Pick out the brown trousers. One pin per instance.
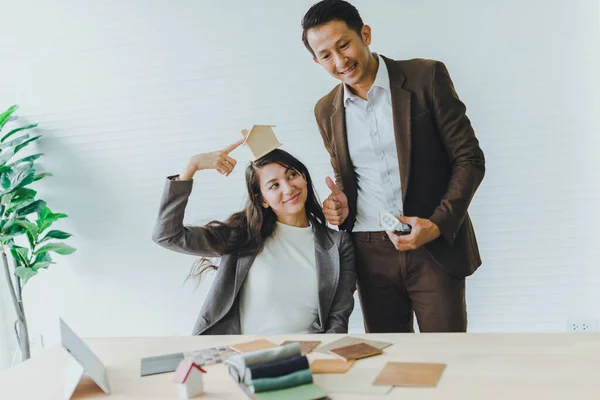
(393, 284)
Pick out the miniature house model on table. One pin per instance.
(189, 379)
(260, 139)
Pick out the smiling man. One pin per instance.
(399, 141)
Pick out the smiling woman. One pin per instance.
(282, 269)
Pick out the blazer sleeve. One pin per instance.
(169, 230)
(343, 302)
(349, 222)
(462, 147)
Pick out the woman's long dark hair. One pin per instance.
(246, 231)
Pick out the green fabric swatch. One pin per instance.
(302, 392)
(238, 363)
(281, 382)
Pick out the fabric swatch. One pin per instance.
(282, 382)
(209, 356)
(278, 368)
(302, 392)
(410, 374)
(255, 345)
(160, 364)
(326, 366)
(356, 351)
(169, 362)
(305, 346)
(356, 381)
(238, 363)
(350, 340)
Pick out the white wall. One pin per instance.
(125, 91)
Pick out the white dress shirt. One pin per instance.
(372, 148)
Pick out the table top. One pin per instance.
(478, 366)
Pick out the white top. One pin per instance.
(281, 294)
(372, 148)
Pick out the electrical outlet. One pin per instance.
(582, 325)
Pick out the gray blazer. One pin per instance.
(220, 313)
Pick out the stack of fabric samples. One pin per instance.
(276, 373)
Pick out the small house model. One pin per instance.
(189, 379)
(260, 139)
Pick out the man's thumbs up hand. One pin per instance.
(335, 206)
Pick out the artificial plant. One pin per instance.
(26, 243)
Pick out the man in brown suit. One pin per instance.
(399, 141)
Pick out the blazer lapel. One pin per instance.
(340, 140)
(328, 267)
(401, 111)
(243, 266)
(221, 305)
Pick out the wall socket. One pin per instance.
(582, 325)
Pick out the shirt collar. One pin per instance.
(382, 80)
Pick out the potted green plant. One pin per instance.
(25, 237)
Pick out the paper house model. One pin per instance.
(260, 139)
(189, 379)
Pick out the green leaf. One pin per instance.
(40, 265)
(31, 208)
(7, 198)
(17, 203)
(6, 180)
(54, 234)
(22, 194)
(6, 155)
(24, 179)
(13, 229)
(43, 224)
(20, 254)
(6, 115)
(47, 218)
(3, 223)
(21, 175)
(59, 248)
(32, 238)
(30, 158)
(14, 142)
(43, 257)
(27, 224)
(23, 252)
(9, 134)
(18, 198)
(25, 273)
(4, 238)
(44, 213)
(41, 176)
(25, 143)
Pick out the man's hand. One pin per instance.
(423, 231)
(335, 206)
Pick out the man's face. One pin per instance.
(342, 51)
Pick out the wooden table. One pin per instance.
(479, 366)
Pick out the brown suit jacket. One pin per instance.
(441, 163)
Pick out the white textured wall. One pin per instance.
(125, 91)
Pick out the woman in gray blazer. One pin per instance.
(282, 269)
